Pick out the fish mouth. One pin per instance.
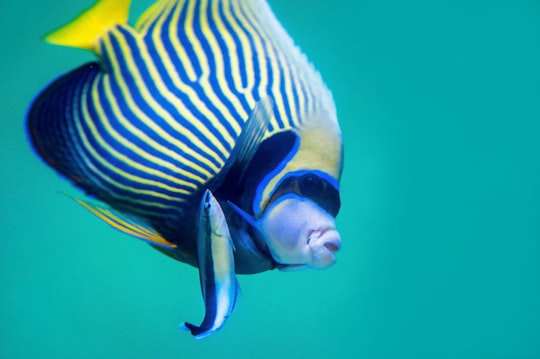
(332, 246)
(327, 238)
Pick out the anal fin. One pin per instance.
(127, 224)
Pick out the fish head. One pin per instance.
(302, 199)
(298, 226)
(295, 203)
(300, 234)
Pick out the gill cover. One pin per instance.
(319, 150)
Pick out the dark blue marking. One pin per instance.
(239, 53)
(187, 47)
(224, 50)
(269, 74)
(153, 91)
(294, 146)
(277, 114)
(307, 100)
(283, 91)
(296, 86)
(326, 196)
(170, 28)
(197, 29)
(254, 59)
(52, 128)
(134, 185)
(296, 100)
(141, 102)
(52, 121)
(323, 175)
(151, 28)
(113, 143)
(105, 105)
(92, 183)
(167, 81)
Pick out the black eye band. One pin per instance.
(313, 187)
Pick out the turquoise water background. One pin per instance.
(439, 103)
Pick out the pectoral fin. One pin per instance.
(216, 268)
(252, 136)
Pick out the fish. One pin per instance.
(202, 114)
(220, 289)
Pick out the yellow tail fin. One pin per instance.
(86, 29)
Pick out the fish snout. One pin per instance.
(324, 243)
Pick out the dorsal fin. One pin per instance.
(149, 14)
(86, 29)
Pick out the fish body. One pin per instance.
(216, 268)
(197, 96)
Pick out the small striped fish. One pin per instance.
(197, 96)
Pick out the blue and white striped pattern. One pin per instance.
(162, 116)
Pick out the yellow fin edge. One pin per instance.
(126, 226)
(86, 29)
(149, 13)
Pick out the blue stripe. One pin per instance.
(103, 173)
(105, 104)
(254, 60)
(283, 91)
(269, 74)
(160, 66)
(137, 123)
(307, 101)
(98, 185)
(133, 184)
(168, 29)
(197, 30)
(239, 54)
(296, 99)
(85, 175)
(187, 47)
(255, 57)
(224, 55)
(258, 199)
(153, 91)
(169, 107)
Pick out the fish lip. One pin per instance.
(333, 246)
(324, 237)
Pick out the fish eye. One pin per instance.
(310, 185)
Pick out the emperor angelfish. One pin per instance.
(202, 130)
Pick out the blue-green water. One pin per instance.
(439, 102)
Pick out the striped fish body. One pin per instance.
(150, 125)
